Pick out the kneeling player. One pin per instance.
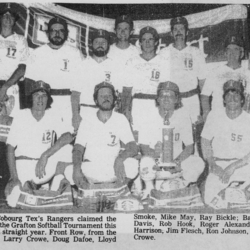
(97, 154)
(37, 143)
(157, 148)
(225, 145)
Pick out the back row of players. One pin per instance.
(174, 77)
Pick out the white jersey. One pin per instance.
(144, 76)
(230, 137)
(14, 50)
(94, 73)
(186, 66)
(102, 140)
(151, 134)
(216, 79)
(60, 69)
(121, 56)
(57, 67)
(31, 137)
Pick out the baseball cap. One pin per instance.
(59, 20)
(126, 19)
(179, 20)
(39, 85)
(233, 85)
(167, 86)
(103, 85)
(100, 33)
(150, 30)
(12, 11)
(235, 39)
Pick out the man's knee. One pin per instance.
(192, 168)
(131, 166)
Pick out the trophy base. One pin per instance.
(167, 171)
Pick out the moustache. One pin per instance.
(106, 101)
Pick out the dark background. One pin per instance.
(143, 11)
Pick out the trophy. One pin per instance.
(166, 167)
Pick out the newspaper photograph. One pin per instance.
(124, 125)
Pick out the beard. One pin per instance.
(100, 53)
(104, 107)
(57, 40)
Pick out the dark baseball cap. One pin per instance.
(233, 85)
(59, 20)
(13, 11)
(179, 20)
(167, 86)
(103, 85)
(37, 86)
(150, 30)
(126, 19)
(234, 39)
(100, 34)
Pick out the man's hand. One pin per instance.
(228, 172)
(78, 177)
(10, 185)
(177, 167)
(215, 169)
(40, 166)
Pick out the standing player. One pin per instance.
(58, 64)
(123, 50)
(225, 146)
(151, 140)
(232, 70)
(145, 72)
(97, 68)
(96, 153)
(33, 153)
(13, 55)
(187, 67)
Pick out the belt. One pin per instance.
(145, 96)
(87, 105)
(60, 92)
(225, 159)
(22, 157)
(190, 93)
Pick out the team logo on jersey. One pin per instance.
(65, 66)
(113, 140)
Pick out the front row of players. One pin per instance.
(40, 150)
